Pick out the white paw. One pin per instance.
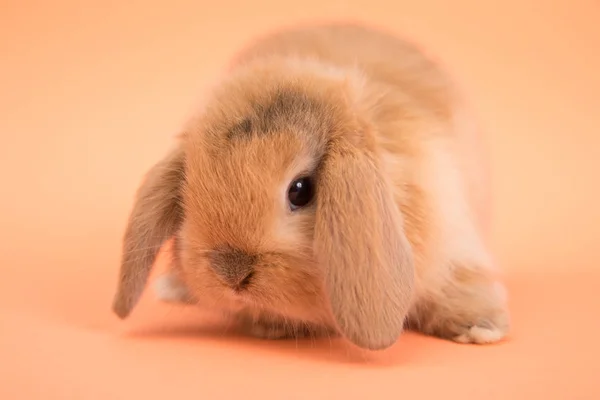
(169, 288)
(481, 335)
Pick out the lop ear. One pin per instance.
(156, 216)
(360, 242)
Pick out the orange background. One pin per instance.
(92, 93)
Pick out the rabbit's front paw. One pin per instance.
(469, 311)
(169, 288)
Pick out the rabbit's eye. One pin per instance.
(300, 193)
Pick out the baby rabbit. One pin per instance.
(333, 183)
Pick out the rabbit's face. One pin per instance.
(249, 206)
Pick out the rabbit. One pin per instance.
(332, 183)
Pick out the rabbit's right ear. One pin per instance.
(156, 216)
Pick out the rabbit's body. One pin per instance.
(397, 230)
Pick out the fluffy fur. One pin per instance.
(396, 235)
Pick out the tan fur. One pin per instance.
(155, 217)
(397, 232)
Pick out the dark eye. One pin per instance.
(300, 193)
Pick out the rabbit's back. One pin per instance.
(383, 57)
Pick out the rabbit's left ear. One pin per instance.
(361, 246)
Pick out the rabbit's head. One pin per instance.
(277, 200)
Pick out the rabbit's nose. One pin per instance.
(233, 266)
